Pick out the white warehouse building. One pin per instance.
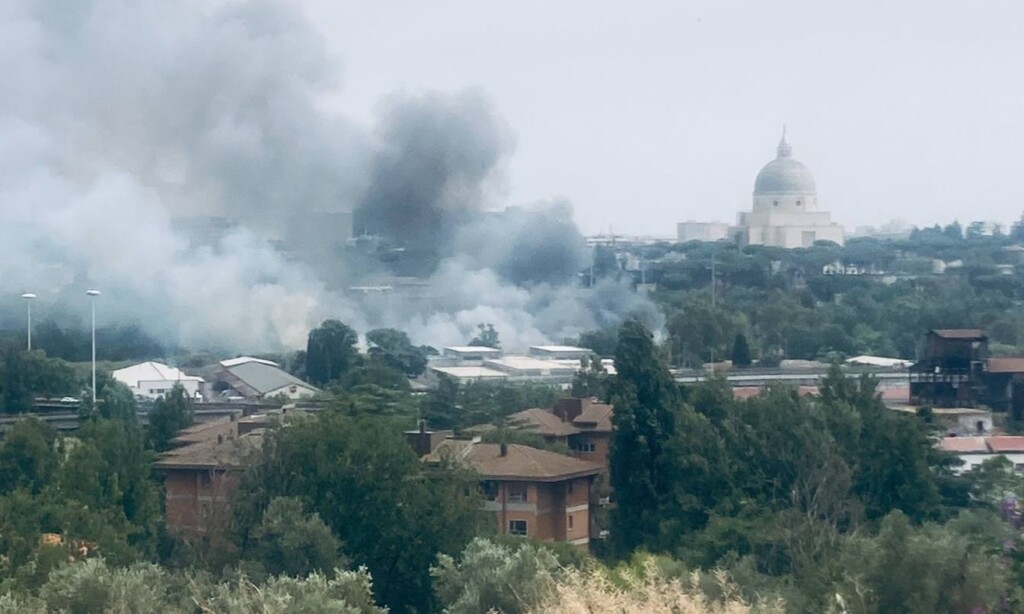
(152, 380)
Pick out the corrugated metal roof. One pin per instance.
(264, 378)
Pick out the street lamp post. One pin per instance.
(28, 296)
(93, 294)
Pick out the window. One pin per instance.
(584, 445)
(517, 493)
(1019, 467)
(490, 490)
(570, 522)
(204, 478)
(517, 527)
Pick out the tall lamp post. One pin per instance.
(28, 296)
(92, 295)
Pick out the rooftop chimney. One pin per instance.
(569, 409)
(504, 449)
(421, 440)
(220, 438)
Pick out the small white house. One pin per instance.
(152, 380)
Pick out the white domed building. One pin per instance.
(785, 212)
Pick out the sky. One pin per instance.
(645, 114)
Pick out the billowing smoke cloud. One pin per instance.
(436, 157)
(526, 246)
(120, 119)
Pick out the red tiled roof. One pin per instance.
(543, 422)
(203, 431)
(225, 453)
(596, 417)
(1006, 443)
(742, 393)
(899, 393)
(964, 444)
(519, 462)
(1005, 365)
(959, 333)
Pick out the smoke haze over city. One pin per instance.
(126, 122)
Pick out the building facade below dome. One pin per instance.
(785, 208)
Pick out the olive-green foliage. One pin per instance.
(488, 576)
(928, 569)
(95, 586)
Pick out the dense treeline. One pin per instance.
(867, 297)
(806, 498)
(831, 503)
(74, 343)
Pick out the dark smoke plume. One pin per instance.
(123, 122)
(437, 153)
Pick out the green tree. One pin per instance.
(28, 456)
(645, 403)
(116, 401)
(30, 374)
(393, 348)
(109, 473)
(288, 541)
(440, 406)
(591, 380)
(169, 415)
(330, 352)
(487, 336)
(920, 570)
(740, 351)
(392, 514)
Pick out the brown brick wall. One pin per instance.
(197, 500)
(550, 522)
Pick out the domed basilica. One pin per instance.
(785, 212)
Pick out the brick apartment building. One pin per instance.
(202, 470)
(584, 426)
(531, 492)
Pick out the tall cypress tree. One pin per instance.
(740, 351)
(646, 402)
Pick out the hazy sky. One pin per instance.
(648, 113)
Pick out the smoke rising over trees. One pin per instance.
(115, 139)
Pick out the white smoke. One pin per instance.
(118, 117)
